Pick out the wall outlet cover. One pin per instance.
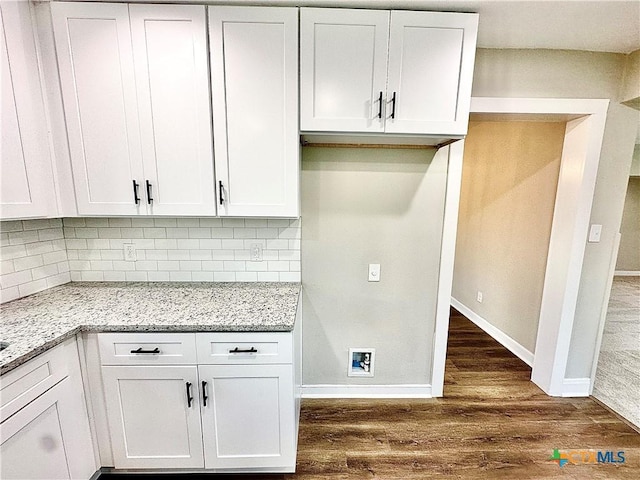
(129, 252)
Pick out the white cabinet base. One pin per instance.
(249, 417)
(152, 422)
(49, 437)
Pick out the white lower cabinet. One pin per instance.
(248, 419)
(154, 416)
(233, 411)
(48, 437)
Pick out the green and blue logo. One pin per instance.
(581, 457)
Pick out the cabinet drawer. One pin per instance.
(147, 348)
(27, 382)
(244, 348)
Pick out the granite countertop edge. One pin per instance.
(284, 323)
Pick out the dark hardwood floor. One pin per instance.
(492, 423)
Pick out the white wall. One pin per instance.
(362, 206)
(571, 74)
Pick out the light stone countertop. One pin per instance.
(36, 323)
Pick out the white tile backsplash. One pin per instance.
(39, 254)
(183, 249)
(33, 257)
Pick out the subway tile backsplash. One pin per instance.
(39, 254)
(33, 257)
(183, 249)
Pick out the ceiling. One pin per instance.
(600, 26)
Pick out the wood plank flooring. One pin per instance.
(492, 423)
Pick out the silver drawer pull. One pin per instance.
(250, 350)
(155, 351)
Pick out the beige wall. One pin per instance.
(629, 252)
(630, 90)
(571, 74)
(362, 206)
(509, 183)
(635, 163)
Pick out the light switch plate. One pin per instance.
(594, 233)
(374, 272)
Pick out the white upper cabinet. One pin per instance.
(95, 58)
(431, 57)
(172, 80)
(427, 59)
(343, 65)
(26, 183)
(254, 80)
(136, 99)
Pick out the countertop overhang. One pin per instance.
(36, 323)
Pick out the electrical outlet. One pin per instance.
(129, 252)
(479, 296)
(374, 272)
(255, 252)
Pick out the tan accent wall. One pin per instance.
(629, 252)
(509, 183)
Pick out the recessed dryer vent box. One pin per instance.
(361, 362)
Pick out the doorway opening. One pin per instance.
(570, 223)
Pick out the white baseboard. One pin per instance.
(366, 391)
(505, 340)
(576, 387)
(626, 273)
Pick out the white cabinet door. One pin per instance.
(254, 77)
(172, 79)
(343, 69)
(431, 57)
(49, 438)
(154, 416)
(26, 183)
(95, 58)
(248, 420)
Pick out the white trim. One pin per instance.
(366, 391)
(569, 232)
(627, 273)
(566, 107)
(505, 340)
(447, 257)
(576, 387)
(576, 185)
